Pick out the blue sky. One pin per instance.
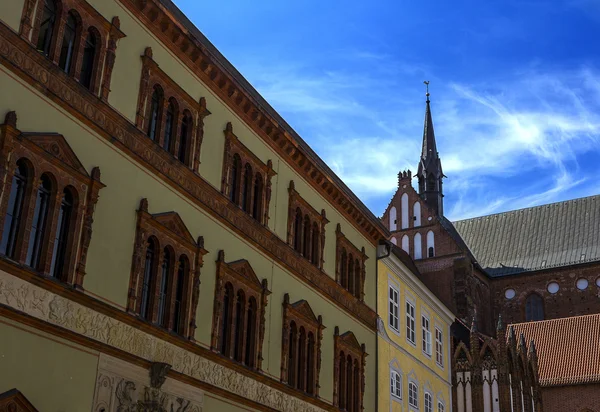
(515, 90)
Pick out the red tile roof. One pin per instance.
(568, 349)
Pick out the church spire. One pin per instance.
(430, 167)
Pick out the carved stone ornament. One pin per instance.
(15, 401)
(158, 374)
(20, 295)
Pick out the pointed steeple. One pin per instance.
(430, 167)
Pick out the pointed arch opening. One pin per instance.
(534, 308)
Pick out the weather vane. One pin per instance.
(426, 82)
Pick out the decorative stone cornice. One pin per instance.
(196, 52)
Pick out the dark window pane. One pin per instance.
(12, 221)
(47, 27)
(164, 285)
(68, 44)
(182, 274)
(154, 112)
(169, 121)
(62, 233)
(148, 270)
(38, 225)
(226, 319)
(183, 139)
(87, 63)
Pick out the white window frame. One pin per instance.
(411, 334)
(393, 386)
(394, 306)
(426, 334)
(430, 401)
(441, 407)
(415, 395)
(439, 347)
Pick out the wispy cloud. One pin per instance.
(514, 142)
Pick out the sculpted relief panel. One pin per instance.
(44, 305)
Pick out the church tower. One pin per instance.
(430, 173)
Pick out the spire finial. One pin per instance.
(426, 82)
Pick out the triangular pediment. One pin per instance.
(303, 308)
(56, 146)
(15, 401)
(350, 340)
(173, 222)
(243, 268)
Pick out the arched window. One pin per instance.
(170, 122)
(307, 238)
(534, 308)
(357, 282)
(417, 214)
(236, 170)
(298, 231)
(165, 280)
(310, 364)
(47, 24)
(68, 43)
(349, 384)
(38, 224)
(394, 241)
(413, 395)
(251, 333)
(301, 359)
(182, 276)
(406, 244)
(184, 137)
(430, 244)
(441, 407)
(344, 269)
(88, 59)
(154, 115)
(404, 210)
(315, 244)
(393, 218)
(238, 326)
(62, 233)
(418, 246)
(396, 384)
(428, 402)
(258, 195)
(225, 337)
(14, 211)
(247, 189)
(145, 310)
(342, 382)
(292, 361)
(350, 273)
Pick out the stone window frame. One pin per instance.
(412, 379)
(393, 285)
(233, 147)
(108, 33)
(426, 315)
(440, 401)
(409, 299)
(395, 367)
(344, 245)
(302, 315)
(348, 346)
(296, 203)
(242, 277)
(170, 231)
(432, 398)
(152, 76)
(439, 329)
(49, 153)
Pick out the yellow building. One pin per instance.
(168, 242)
(413, 338)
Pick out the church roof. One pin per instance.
(430, 161)
(567, 349)
(552, 235)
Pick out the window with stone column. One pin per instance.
(165, 277)
(246, 179)
(306, 228)
(76, 37)
(47, 203)
(301, 346)
(239, 312)
(349, 372)
(170, 117)
(350, 265)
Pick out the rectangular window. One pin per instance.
(394, 308)
(410, 322)
(426, 335)
(439, 347)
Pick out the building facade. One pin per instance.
(525, 265)
(168, 241)
(414, 342)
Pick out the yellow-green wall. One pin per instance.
(53, 374)
(110, 253)
(397, 353)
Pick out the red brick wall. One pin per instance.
(576, 398)
(568, 301)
